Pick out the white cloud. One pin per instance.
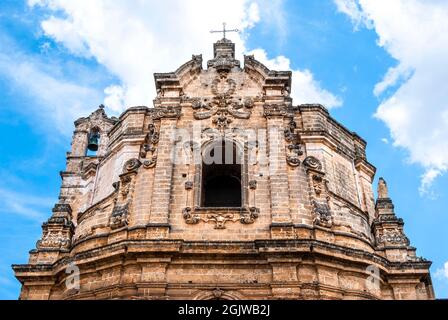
(442, 273)
(24, 204)
(57, 101)
(305, 89)
(351, 8)
(427, 180)
(417, 110)
(134, 39)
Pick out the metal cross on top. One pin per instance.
(224, 30)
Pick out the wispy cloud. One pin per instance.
(413, 93)
(30, 206)
(442, 273)
(353, 10)
(305, 89)
(56, 100)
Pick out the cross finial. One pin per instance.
(224, 30)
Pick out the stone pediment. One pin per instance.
(223, 76)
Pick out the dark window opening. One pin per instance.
(221, 180)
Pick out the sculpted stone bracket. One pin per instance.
(220, 216)
(125, 190)
(320, 197)
(148, 150)
(120, 216)
(294, 149)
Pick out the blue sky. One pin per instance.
(380, 66)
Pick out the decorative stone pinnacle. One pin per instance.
(383, 192)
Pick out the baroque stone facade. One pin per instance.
(140, 220)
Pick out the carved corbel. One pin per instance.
(125, 190)
(148, 150)
(320, 197)
(120, 216)
(294, 148)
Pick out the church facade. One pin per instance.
(223, 190)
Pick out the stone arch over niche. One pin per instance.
(238, 171)
(217, 294)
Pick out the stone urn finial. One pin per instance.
(383, 193)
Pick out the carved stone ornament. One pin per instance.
(223, 60)
(312, 163)
(223, 63)
(245, 216)
(58, 229)
(188, 185)
(54, 240)
(223, 106)
(151, 140)
(172, 112)
(322, 214)
(275, 110)
(392, 237)
(294, 149)
(131, 165)
(320, 197)
(388, 218)
(125, 185)
(189, 217)
(217, 293)
(150, 163)
(119, 216)
(253, 184)
(148, 150)
(318, 184)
